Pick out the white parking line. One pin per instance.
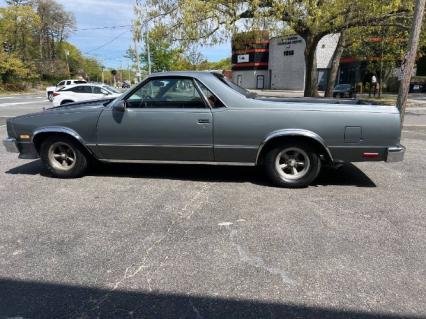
(18, 103)
(2, 125)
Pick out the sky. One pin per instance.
(91, 14)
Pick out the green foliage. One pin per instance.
(167, 56)
(211, 22)
(12, 69)
(33, 44)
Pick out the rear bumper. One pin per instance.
(395, 154)
(26, 150)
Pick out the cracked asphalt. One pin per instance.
(169, 241)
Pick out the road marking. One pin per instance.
(414, 132)
(2, 125)
(18, 103)
(414, 125)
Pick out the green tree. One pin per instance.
(13, 69)
(215, 21)
(17, 29)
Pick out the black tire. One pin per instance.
(50, 96)
(285, 177)
(63, 167)
(66, 102)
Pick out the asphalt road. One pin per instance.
(147, 241)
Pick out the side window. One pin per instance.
(68, 82)
(97, 90)
(78, 89)
(61, 83)
(211, 98)
(167, 93)
(86, 89)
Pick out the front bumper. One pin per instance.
(26, 150)
(395, 154)
(10, 145)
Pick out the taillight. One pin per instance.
(370, 155)
(55, 94)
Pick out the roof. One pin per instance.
(194, 74)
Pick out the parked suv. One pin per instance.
(65, 83)
(84, 92)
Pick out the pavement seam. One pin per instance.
(127, 274)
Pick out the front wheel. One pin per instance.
(63, 157)
(292, 165)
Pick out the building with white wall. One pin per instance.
(279, 63)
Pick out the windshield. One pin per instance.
(111, 89)
(236, 87)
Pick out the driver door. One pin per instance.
(166, 119)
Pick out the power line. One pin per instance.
(103, 28)
(106, 43)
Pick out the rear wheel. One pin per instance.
(292, 165)
(50, 96)
(63, 157)
(66, 102)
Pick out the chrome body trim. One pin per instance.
(395, 154)
(294, 132)
(177, 162)
(56, 129)
(174, 145)
(235, 146)
(149, 145)
(10, 145)
(60, 129)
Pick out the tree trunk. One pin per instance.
(311, 78)
(335, 63)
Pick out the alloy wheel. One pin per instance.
(292, 163)
(61, 156)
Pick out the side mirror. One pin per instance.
(120, 106)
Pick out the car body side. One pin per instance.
(240, 131)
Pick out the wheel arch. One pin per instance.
(39, 135)
(293, 134)
(66, 101)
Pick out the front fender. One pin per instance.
(40, 132)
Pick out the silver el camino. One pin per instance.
(203, 118)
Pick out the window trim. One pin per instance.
(159, 78)
(197, 81)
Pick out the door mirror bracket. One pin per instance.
(120, 106)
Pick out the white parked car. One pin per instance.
(65, 83)
(84, 92)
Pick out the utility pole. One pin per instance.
(138, 65)
(103, 74)
(67, 53)
(410, 58)
(148, 51)
(128, 69)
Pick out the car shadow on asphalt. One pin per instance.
(29, 299)
(347, 175)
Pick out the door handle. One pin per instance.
(203, 121)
